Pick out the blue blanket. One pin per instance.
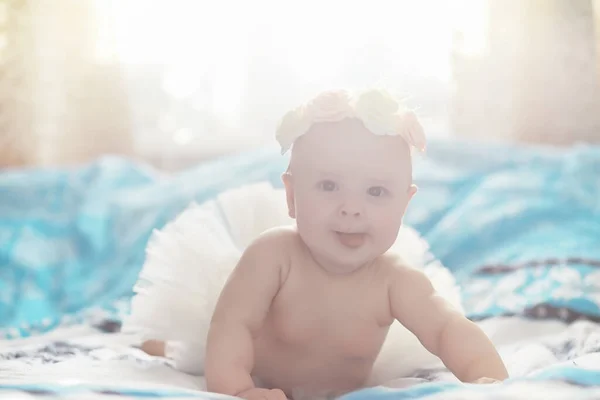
(517, 225)
(563, 362)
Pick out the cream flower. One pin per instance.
(293, 125)
(378, 112)
(382, 115)
(331, 106)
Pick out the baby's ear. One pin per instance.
(412, 190)
(289, 193)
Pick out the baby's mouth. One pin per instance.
(351, 240)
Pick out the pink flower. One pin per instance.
(411, 130)
(331, 106)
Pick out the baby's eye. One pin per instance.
(327, 186)
(377, 191)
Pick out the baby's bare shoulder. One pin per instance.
(273, 246)
(280, 237)
(403, 275)
(395, 264)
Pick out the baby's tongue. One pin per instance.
(351, 240)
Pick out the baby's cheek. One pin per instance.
(315, 208)
(312, 208)
(386, 228)
(389, 221)
(311, 216)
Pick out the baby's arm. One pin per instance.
(239, 314)
(461, 345)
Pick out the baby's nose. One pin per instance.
(351, 210)
(351, 213)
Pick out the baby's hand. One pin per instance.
(263, 394)
(154, 348)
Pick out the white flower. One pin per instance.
(382, 115)
(378, 111)
(293, 125)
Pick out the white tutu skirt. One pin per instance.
(189, 260)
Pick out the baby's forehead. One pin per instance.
(351, 151)
(359, 166)
(349, 142)
(345, 134)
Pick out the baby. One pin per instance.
(307, 308)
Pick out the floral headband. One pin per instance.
(379, 112)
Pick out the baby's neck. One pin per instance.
(337, 270)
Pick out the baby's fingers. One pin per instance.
(277, 394)
(263, 394)
(484, 380)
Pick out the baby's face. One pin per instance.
(348, 190)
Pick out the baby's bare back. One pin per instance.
(322, 332)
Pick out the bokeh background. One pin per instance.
(174, 83)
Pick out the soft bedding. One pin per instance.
(517, 226)
(548, 359)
